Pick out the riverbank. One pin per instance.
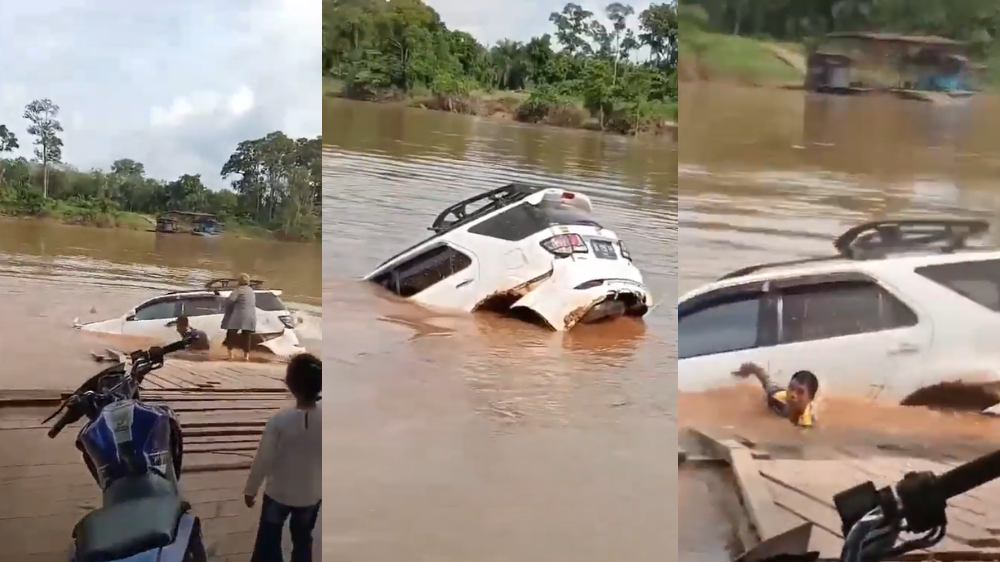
(656, 118)
(64, 213)
(746, 61)
(715, 57)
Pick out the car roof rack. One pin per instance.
(880, 239)
(459, 214)
(224, 283)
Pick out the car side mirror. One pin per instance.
(130, 316)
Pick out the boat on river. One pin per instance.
(197, 224)
(913, 67)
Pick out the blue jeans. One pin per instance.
(301, 521)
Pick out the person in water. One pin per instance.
(794, 402)
(290, 459)
(199, 339)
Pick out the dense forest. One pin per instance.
(276, 183)
(975, 21)
(620, 77)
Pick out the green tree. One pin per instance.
(387, 49)
(8, 140)
(45, 127)
(574, 26)
(8, 143)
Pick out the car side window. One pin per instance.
(425, 270)
(201, 306)
(157, 310)
(720, 327)
(845, 308)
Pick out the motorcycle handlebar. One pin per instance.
(73, 412)
(966, 477)
(174, 347)
(58, 427)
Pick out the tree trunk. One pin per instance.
(45, 172)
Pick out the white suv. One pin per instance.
(536, 252)
(904, 305)
(157, 317)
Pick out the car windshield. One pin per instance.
(557, 213)
(978, 281)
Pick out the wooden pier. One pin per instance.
(45, 487)
(779, 494)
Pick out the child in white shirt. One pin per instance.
(289, 459)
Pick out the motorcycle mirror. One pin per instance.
(790, 546)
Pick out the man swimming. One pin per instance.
(794, 402)
(199, 339)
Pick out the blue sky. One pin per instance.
(175, 85)
(514, 19)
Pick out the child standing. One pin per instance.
(289, 459)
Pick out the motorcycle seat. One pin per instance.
(128, 528)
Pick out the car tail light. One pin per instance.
(287, 321)
(564, 245)
(624, 251)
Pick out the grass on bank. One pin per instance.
(731, 58)
(332, 87)
(66, 212)
(529, 107)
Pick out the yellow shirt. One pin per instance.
(778, 402)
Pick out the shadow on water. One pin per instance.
(478, 437)
(756, 189)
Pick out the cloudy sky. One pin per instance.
(175, 85)
(513, 19)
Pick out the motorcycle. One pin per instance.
(873, 519)
(134, 452)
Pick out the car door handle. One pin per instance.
(171, 324)
(904, 348)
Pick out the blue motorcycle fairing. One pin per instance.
(129, 438)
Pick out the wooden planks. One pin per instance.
(45, 487)
(216, 376)
(803, 490)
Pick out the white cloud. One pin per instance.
(175, 85)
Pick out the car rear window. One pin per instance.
(269, 302)
(978, 281)
(524, 220)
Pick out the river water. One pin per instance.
(770, 175)
(475, 437)
(51, 274)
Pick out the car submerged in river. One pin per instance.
(157, 317)
(903, 309)
(534, 252)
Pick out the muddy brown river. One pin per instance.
(769, 175)
(476, 437)
(51, 274)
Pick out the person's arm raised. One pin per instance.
(752, 369)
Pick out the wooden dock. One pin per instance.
(779, 494)
(46, 488)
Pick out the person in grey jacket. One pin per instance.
(240, 318)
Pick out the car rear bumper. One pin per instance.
(563, 306)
